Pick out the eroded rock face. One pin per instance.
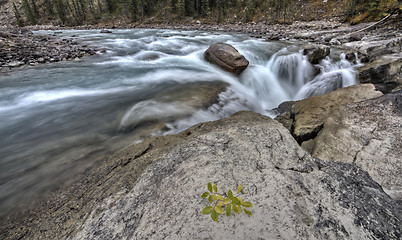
(226, 57)
(367, 134)
(316, 53)
(153, 191)
(309, 114)
(385, 73)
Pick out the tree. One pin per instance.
(17, 15)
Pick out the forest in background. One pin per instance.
(81, 12)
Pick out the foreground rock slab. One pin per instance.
(226, 57)
(153, 191)
(367, 134)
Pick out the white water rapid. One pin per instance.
(59, 119)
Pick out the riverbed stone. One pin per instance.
(227, 57)
(367, 134)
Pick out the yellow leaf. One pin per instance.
(215, 198)
(230, 194)
(228, 209)
(218, 209)
(240, 200)
(215, 188)
(210, 187)
(247, 212)
(236, 208)
(247, 204)
(239, 188)
(220, 197)
(207, 210)
(220, 203)
(214, 216)
(205, 194)
(226, 200)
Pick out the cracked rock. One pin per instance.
(153, 191)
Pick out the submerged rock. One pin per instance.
(153, 191)
(367, 134)
(226, 57)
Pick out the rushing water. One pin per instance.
(57, 119)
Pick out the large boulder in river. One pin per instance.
(226, 57)
(153, 191)
(367, 134)
(316, 53)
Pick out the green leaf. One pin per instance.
(215, 198)
(220, 203)
(235, 201)
(226, 201)
(240, 200)
(247, 212)
(214, 216)
(205, 194)
(215, 188)
(247, 204)
(220, 197)
(210, 187)
(211, 198)
(239, 188)
(228, 209)
(218, 209)
(207, 210)
(236, 208)
(230, 194)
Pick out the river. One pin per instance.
(58, 119)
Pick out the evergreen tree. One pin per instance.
(17, 15)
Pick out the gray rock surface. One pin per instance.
(309, 114)
(152, 191)
(385, 72)
(375, 48)
(367, 134)
(226, 57)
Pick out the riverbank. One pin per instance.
(19, 47)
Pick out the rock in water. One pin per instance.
(316, 53)
(226, 57)
(153, 191)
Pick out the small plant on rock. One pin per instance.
(225, 204)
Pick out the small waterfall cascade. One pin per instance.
(292, 77)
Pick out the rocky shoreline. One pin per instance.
(19, 47)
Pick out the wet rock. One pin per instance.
(385, 73)
(105, 31)
(226, 57)
(316, 53)
(309, 114)
(367, 134)
(377, 48)
(152, 191)
(15, 64)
